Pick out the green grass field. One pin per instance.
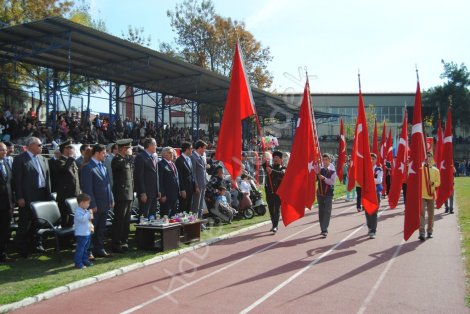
(23, 278)
(462, 192)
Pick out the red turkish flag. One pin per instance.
(297, 189)
(375, 142)
(447, 165)
(341, 152)
(414, 200)
(363, 171)
(399, 169)
(439, 146)
(383, 146)
(239, 105)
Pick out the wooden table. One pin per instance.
(191, 231)
(169, 236)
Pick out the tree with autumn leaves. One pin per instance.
(208, 40)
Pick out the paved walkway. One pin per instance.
(294, 271)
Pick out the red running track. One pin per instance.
(294, 271)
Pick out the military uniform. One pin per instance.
(123, 191)
(68, 185)
(272, 183)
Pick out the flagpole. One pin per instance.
(315, 133)
(426, 171)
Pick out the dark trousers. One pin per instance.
(5, 221)
(168, 208)
(185, 203)
(388, 182)
(148, 209)
(99, 222)
(324, 211)
(26, 230)
(403, 188)
(372, 219)
(358, 197)
(449, 203)
(121, 223)
(65, 219)
(274, 206)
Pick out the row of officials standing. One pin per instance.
(163, 186)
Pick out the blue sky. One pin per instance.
(332, 39)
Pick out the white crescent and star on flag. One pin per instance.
(359, 131)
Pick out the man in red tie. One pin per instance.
(169, 183)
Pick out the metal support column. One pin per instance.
(293, 125)
(162, 118)
(156, 109)
(169, 115)
(193, 120)
(55, 83)
(110, 95)
(48, 101)
(118, 103)
(197, 121)
(141, 109)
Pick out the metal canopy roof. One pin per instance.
(60, 44)
(63, 45)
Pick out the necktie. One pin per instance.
(102, 169)
(154, 161)
(4, 171)
(42, 181)
(172, 165)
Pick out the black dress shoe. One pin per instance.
(451, 211)
(102, 254)
(118, 250)
(275, 229)
(39, 249)
(430, 236)
(421, 237)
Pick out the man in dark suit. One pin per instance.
(169, 183)
(79, 160)
(67, 180)
(199, 172)
(53, 163)
(32, 183)
(6, 203)
(123, 190)
(185, 173)
(94, 181)
(146, 178)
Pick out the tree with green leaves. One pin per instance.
(13, 12)
(208, 40)
(456, 90)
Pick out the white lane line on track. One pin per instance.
(374, 289)
(167, 294)
(304, 269)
